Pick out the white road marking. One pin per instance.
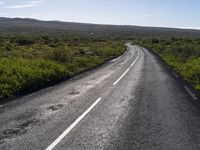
(190, 93)
(127, 69)
(175, 74)
(135, 60)
(121, 76)
(57, 141)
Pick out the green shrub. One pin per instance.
(31, 63)
(24, 40)
(19, 75)
(191, 71)
(61, 54)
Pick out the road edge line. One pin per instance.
(190, 92)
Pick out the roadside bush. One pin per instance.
(31, 63)
(61, 54)
(19, 75)
(191, 72)
(24, 40)
(183, 55)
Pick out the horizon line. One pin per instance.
(108, 24)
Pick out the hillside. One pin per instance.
(15, 26)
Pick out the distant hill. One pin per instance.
(16, 26)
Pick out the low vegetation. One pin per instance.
(35, 54)
(29, 63)
(183, 55)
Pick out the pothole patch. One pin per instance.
(74, 92)
(11, 133)
(123, 99)
(29, 123)
(55, 107)
(19, 130)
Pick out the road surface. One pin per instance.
(131, 103)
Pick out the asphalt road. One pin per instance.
(131, 103)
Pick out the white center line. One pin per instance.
(135, 60)
(121, 76)
(190, 93)
(127, 69)
(57, 141)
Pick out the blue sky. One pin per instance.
(165, 13)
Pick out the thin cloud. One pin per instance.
(36, 2)
(28, 4)
(21, 6)
(147, 15)
(2, 3)
(2, 14)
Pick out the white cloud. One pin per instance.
(28, 4)
(1, 3)
(197, 28)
